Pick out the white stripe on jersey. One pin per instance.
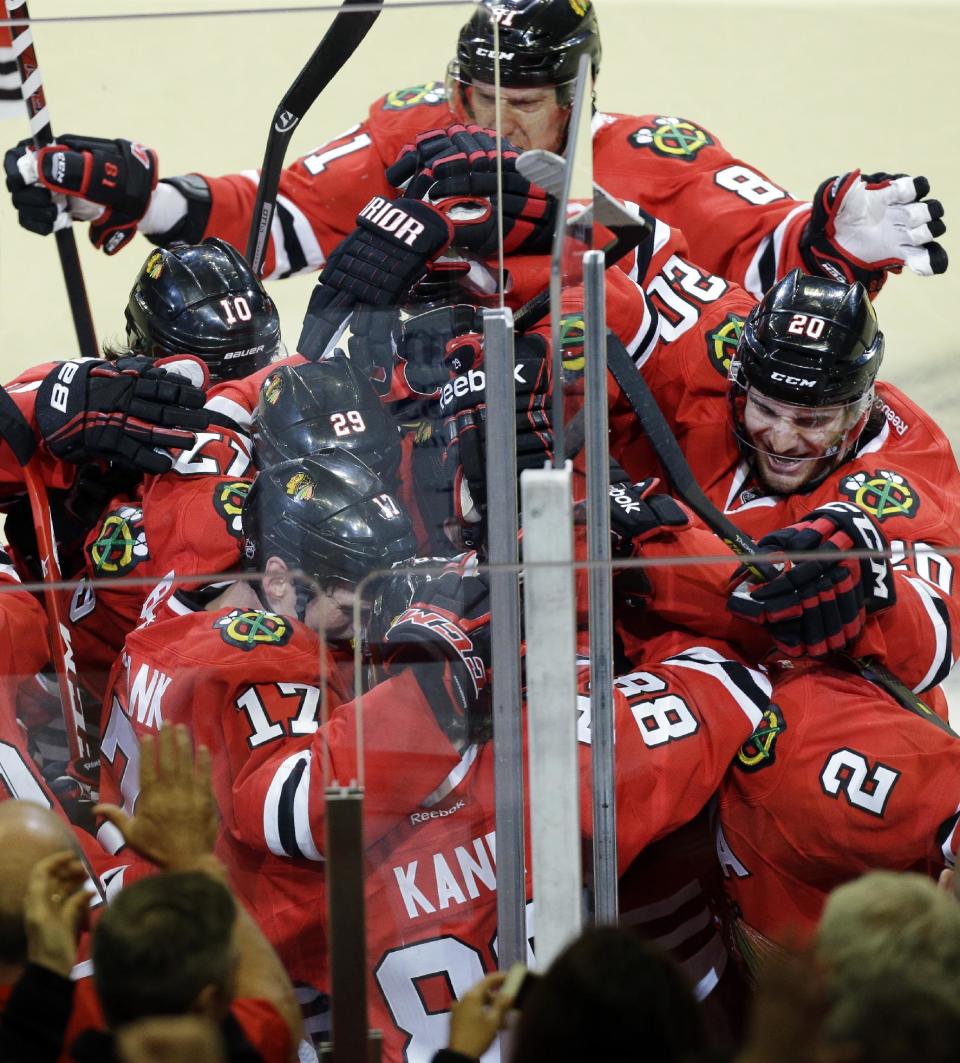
(748, 687)
(949, 847)
(286, 812)
(240, 415)
(453, 780)
(753, 281)
(936, 609)
(313, 256)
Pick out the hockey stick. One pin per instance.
(683, 482)
(31, 86)
(21, 440)
(548, 170)
(337, 45)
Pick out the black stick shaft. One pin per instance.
(33, 96)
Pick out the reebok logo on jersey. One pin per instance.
(436, 813)
(392, 219)
(897, 423)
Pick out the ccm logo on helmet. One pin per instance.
(489, 53)
(385, 215)
(799, 381)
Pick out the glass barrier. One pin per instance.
(398, 687)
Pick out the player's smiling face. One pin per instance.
(531, 117)
(793, 444)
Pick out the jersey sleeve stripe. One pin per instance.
(942, 661)
(286, 825)
(749, 688)
(762, 271)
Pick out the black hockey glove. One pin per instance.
(864, 226)
(464, 410)
(818, 606)
(116, 176)
(91, 410)
(456, 167)
(376, 265)
(637, 514)
(444, 636)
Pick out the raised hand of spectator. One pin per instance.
(55, 911)
(478, 1015)
(176, 818)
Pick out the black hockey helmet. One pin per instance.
(203, 299)
(804, 371)
(319, 405)
(540, 43)
(810, 341)
(329, 516)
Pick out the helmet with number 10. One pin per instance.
(203, 299)
(538, 44)
(802, 380)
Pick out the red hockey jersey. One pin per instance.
(842, 780)
(739, 223)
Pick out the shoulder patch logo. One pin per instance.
(249, 628)
(673, 138)
(121, 542)
(760, 749)
(228, 501)
(431, 93)
(882, 494)
(572, 332)
(722, 342)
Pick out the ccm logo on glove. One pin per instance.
(392, 219)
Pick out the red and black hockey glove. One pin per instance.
(117, 176)
(820, 605)
(864, 226)
(457, 167)
(463, 408)
(637, 514)
(126, 411)
(444, 636)
(376, 265)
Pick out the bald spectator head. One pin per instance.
(28, 833)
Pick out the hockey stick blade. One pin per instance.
(341, 40)
(547, 169)
(680, 475)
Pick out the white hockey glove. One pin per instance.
(864, 226)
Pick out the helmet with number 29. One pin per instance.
(801, 383)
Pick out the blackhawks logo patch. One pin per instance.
(571, 343)
(432, 93)
(882, 494)
(228, 501)
(760, 749)
(249, 628)
(272, 389)
(300, 487)
(673, 138)
(121, 542)
(722, 343)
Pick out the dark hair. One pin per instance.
(609, 996)
(159, 943)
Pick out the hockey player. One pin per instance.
(251, 666)
(740, 224)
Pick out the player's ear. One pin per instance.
(276, 577)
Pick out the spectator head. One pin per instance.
(28, 834)
(164, 947)
(886, 924)
(609, 995)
